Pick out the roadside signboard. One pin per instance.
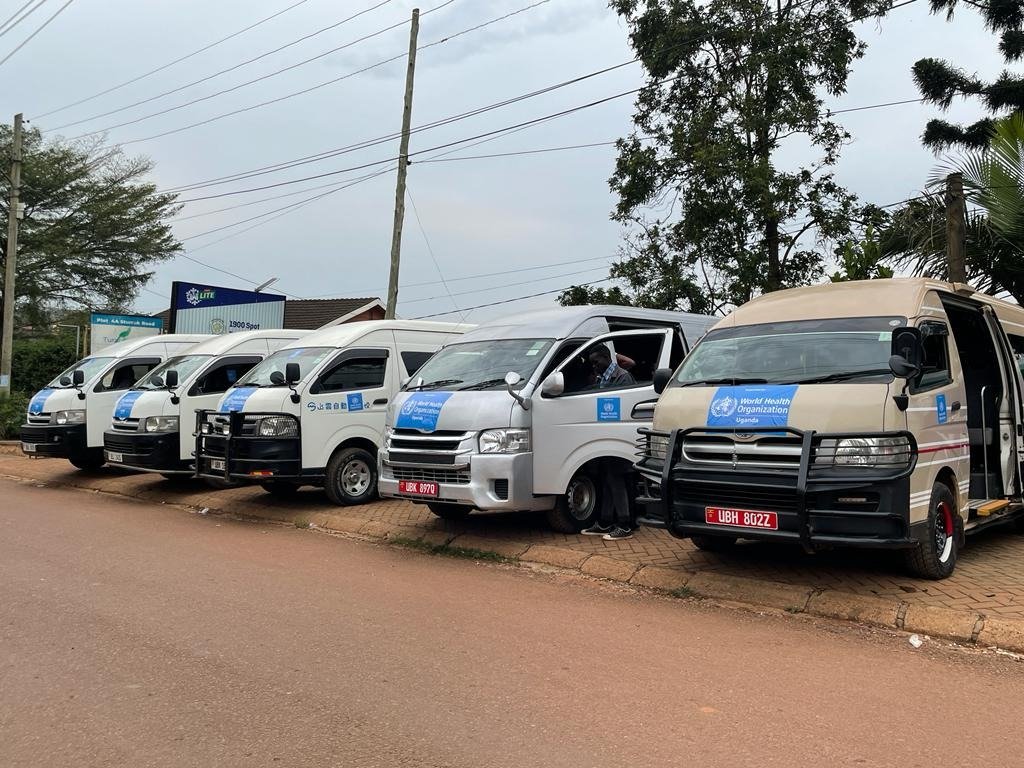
(107, 330)
(201, 308)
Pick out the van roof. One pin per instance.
(339, 336)
(899, 296)
(561, 322)
(129, 347)
(220, 345)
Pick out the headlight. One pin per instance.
(505, 441)
(278, 426)
(160, 424)
(865, 452)
(70, 417)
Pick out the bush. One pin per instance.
(35, 362)
(12, 414)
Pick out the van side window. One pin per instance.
(413, 361)
(123, 376)
(635, 359)
(355, 373)
(935, 372)
(564, 353)
(221, 377)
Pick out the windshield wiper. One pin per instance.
(434, 384)
(731, 380)
(843, 375)
(483, 384)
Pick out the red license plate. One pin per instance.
(741, 518)
(417, 488)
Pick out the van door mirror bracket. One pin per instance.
(292, 375)
(171, 382)
(512, 378)
(77, 380)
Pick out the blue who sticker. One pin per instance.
(355, 402)
(235, 399)
(39, 401)
(751, 406)
(421, 411)
(123, 409)
(940, 408)
(609, 409)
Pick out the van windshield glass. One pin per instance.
(799, 352)
(185, 365)
(480, 364)
(308, 359)
(90, 367)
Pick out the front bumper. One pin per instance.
(53, 440)
(242, 457)
(145, 451)
(815, 506)
(489, 482)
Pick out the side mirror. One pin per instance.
(78, 377)
(292, 373)
(511, 379)
(907, 353)
(553, 385)
(276, 377)
(662, 377)
(171, 379)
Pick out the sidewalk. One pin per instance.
(987, 588)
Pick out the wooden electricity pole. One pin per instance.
(403, 169)
(956, 229)
(11, 263)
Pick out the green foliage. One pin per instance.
(12, 414)
(861, 259)
(713, 218)
(35, 362)
(940, 81)
(92, 226)
(583, 294)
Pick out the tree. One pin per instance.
(939, 81)
(915, 238)
(861, 259)
(92, 226)
(714, 217)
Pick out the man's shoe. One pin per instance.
(597, 530)
(618, 533)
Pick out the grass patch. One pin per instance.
(465, 553)
(682, 592)
(301, 524)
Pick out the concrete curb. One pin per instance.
(10, 448)
(968, 627)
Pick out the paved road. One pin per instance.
(139, 635)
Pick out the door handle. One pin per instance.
(381, 401)
(955, 406)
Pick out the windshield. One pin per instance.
(185, 365)
(480, 364)
(800, 352)
(308, 359)
(90, 367)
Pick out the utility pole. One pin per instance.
(13, 218)
(956, 229)
(403, 170)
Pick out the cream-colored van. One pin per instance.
(882, 414)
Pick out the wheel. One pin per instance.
(935, 557)
(449, 511)
(578, 507)
(351, 477)
(280, 489)
(88, 460)
(713, 543)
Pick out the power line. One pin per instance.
(517, 298)
(232, 69)
(430, 250)
(499, 287)
(39, 29)
(12, 22)
(518, 153)
(169, 64)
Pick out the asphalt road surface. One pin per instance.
(134, 634)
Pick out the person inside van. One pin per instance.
(608, 373)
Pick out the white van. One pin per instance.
(509, 418)
(153, 423)
(313, 413)
(67, 418)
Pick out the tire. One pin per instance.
(578, 507)
(713, 543)
(936, 556)
(280, 489)
(89, 460)
(449, 511)
(351, 477)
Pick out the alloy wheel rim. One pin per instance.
(944, 531)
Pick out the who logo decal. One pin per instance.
(724, 406)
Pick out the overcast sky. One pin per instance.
(480, 216)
